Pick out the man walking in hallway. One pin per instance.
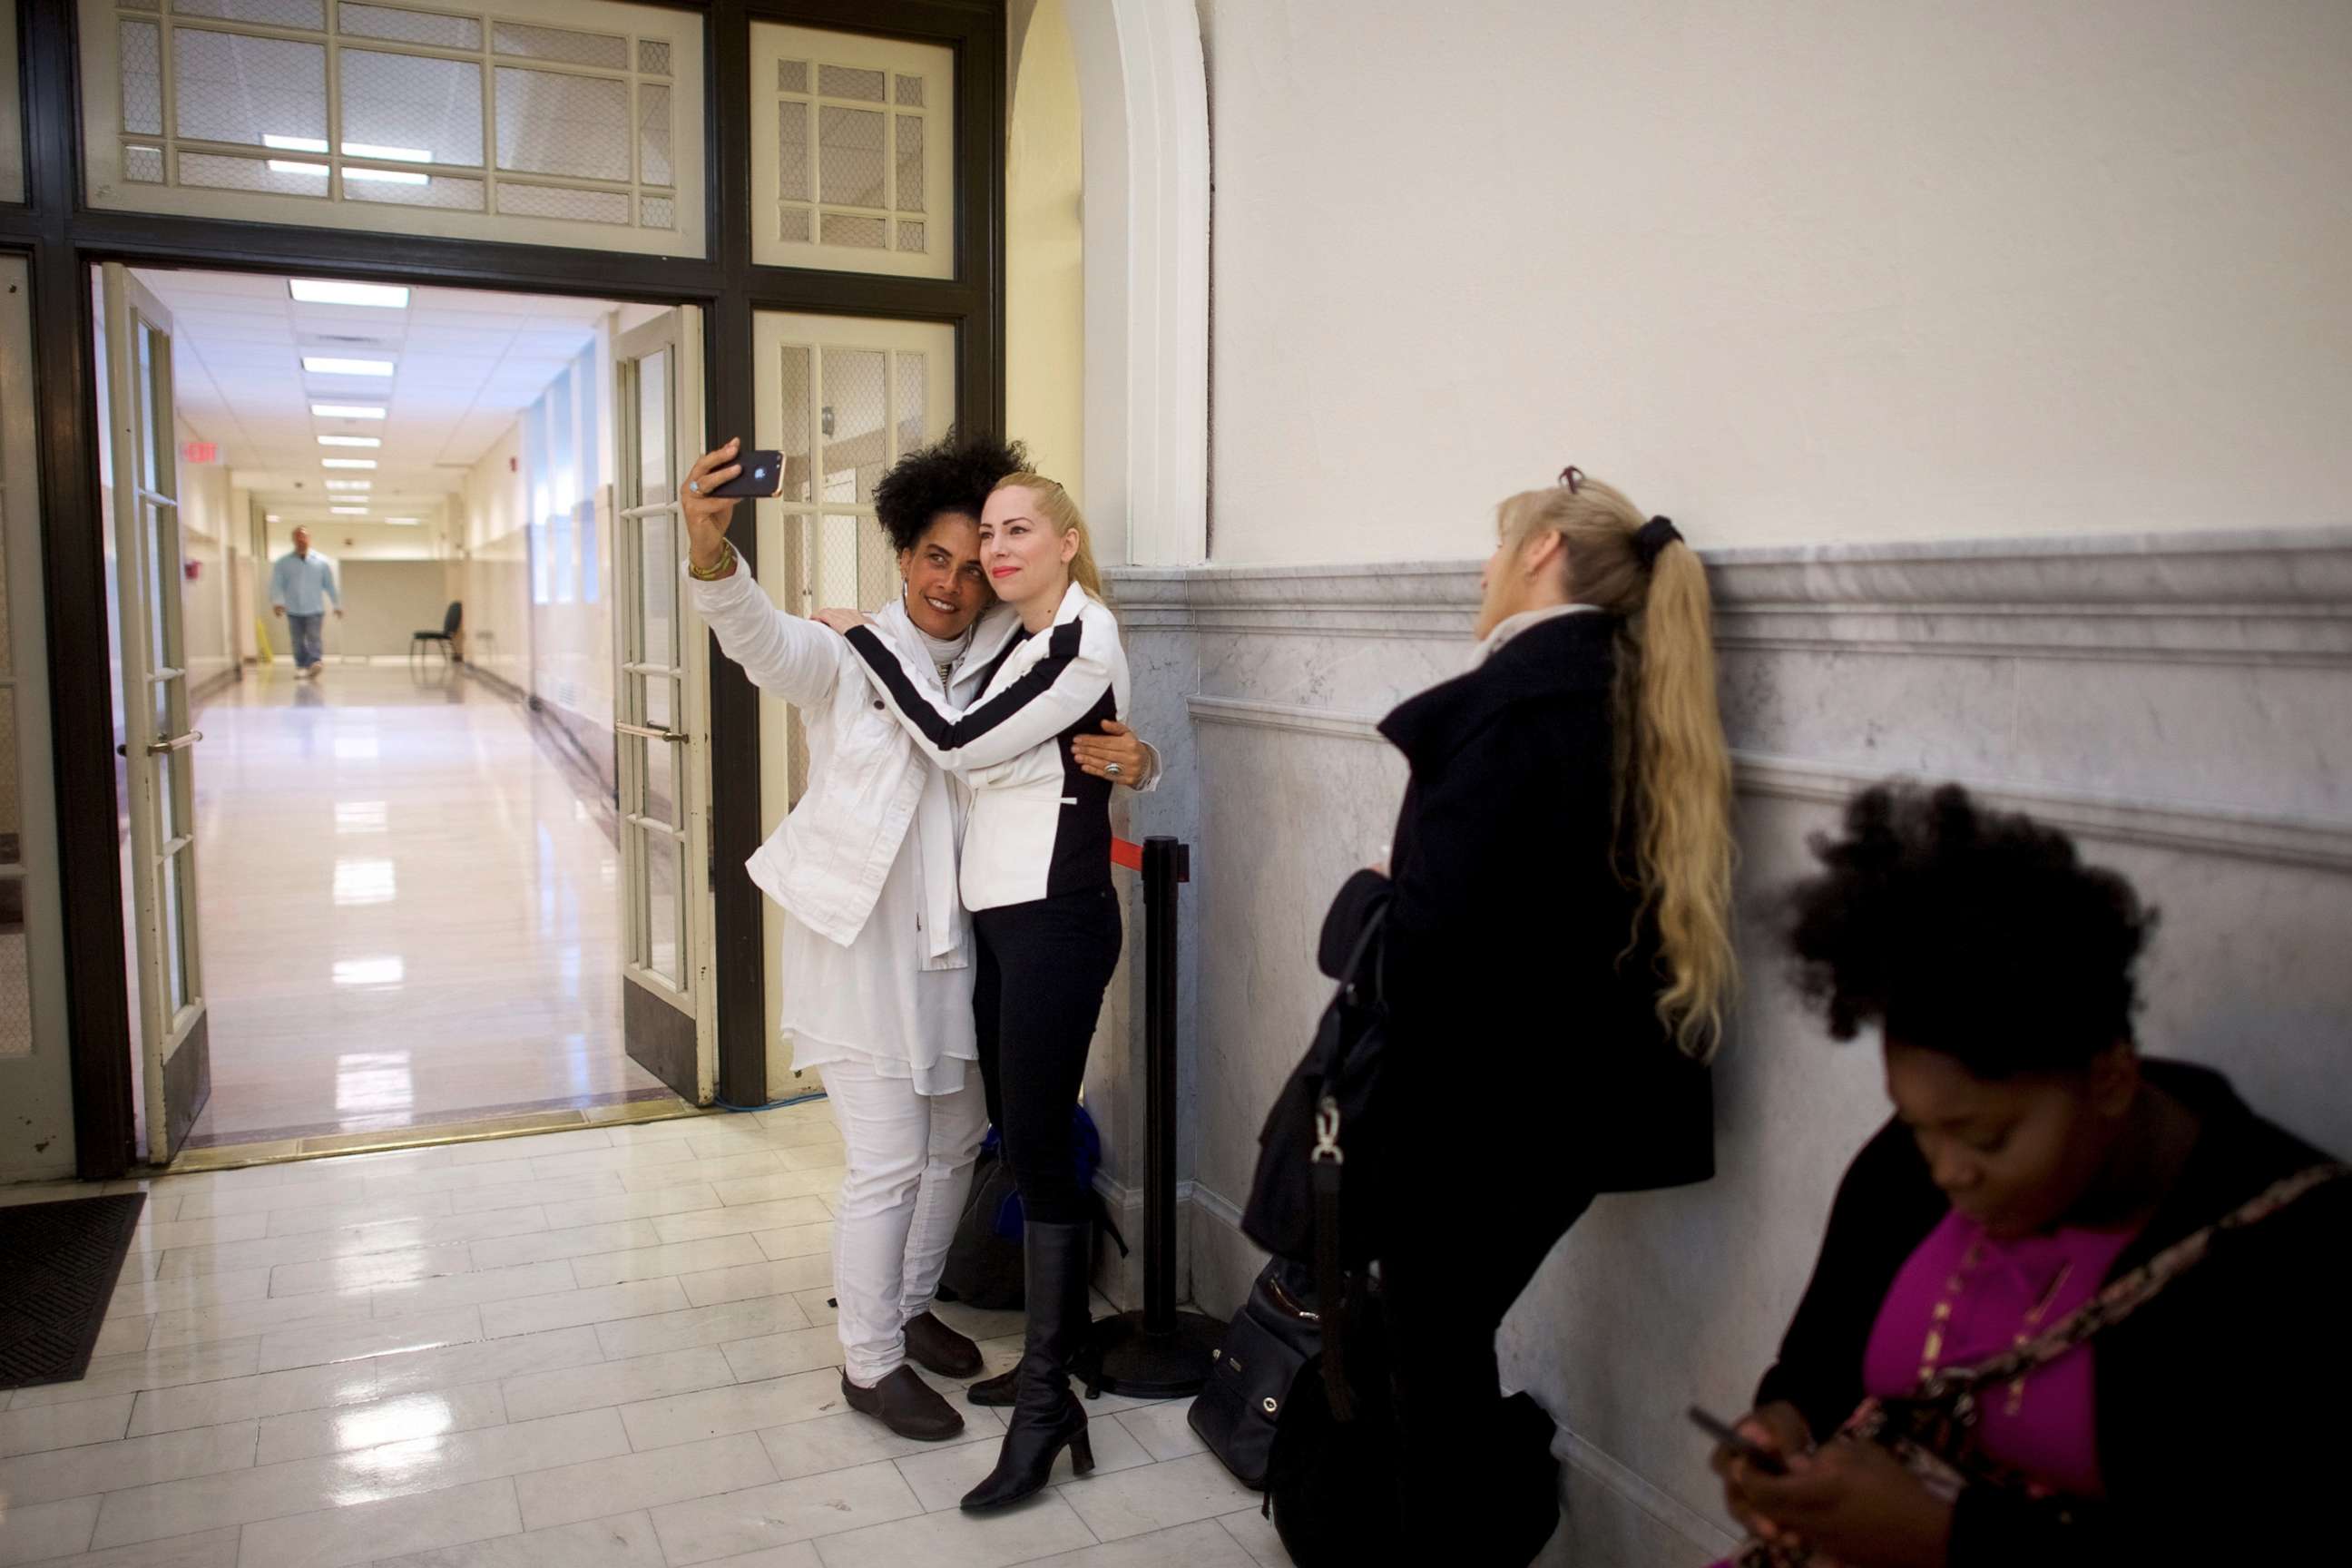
(302, 584)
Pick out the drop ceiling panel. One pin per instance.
(468, 362)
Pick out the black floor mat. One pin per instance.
(59, 1263)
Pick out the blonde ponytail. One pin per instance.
(1059, 513)
(1672, 768)
(1683, 816)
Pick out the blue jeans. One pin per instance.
(306, 637)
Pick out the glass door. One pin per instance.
(159, 742)
(661, 717)
(843, 397)
(36, 1135)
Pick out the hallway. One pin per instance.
(409, 912)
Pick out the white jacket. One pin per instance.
(1040, 825)
(867, 784)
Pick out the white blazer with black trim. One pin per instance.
(1040, 825)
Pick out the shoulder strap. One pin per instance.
(1351, 979)
(2126, 1295)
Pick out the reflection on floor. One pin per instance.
(409, 915)
(603, 1349)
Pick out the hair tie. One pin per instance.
(1653, 537)
(1571, 475)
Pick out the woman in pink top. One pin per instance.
(2034, 1160)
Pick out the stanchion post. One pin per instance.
(1164, 868)
(1158, 1353)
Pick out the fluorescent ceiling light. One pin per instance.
(385, 176)
(389, 154)
(288, 166)
(330, 291)
(295, 143)
(270, 517)
(351, 484)
(346, 462)
(322, 364)
(348, 511)
(346, 411)
(350, 441)
(405, 521)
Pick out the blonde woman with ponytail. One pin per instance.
(1556, 953)
(1037, 877)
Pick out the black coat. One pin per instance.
(2220, 1406)
(1517, 1008)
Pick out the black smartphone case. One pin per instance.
(762, 476)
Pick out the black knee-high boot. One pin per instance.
(1046, 1416)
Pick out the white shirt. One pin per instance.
(874, 1000)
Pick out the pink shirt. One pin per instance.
(1990, 1293)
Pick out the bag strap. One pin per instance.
(2126, 1295)
(1331, 1290)
(1352, 977)
(1323, 1165)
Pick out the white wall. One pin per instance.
(210, 539)
(1044, 248)
(1876, 268)
(497, 566)
(385, 603)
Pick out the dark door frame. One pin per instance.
(61, 238)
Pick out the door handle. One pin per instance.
(158, 748)
(649, 734)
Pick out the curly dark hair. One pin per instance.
(951, 475)
(1977, 934)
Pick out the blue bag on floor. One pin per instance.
(984, 1268)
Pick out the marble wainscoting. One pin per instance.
(2181, 703)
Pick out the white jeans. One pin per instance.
(910, 1159)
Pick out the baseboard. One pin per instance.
(1120, 1277)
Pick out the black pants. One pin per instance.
(1453, 1259)
(1036, 992)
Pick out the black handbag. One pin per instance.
(1322, 1144)
(1255, 1372)
(1334, 1487)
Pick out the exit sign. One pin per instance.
(201, 452)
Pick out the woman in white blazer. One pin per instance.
(878, 954)
(1037, 877)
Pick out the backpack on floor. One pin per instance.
(984, 1264)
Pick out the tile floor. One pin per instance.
(606, 1348)
(392, 872)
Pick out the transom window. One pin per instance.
(480, 125)
(851, 152)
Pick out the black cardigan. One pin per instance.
(2220, 1405)
(1514, 1001)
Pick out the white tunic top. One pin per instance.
(839, 1000)
(873, 1000)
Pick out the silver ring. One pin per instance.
(1111, 768)
(695, 485)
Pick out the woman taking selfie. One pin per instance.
(2085, 1292)
(1556, 956)
(1037, 877)
(877, 957)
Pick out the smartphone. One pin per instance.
(1765, 1460)
(762, 476)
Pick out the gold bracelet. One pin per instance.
(726, 564)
